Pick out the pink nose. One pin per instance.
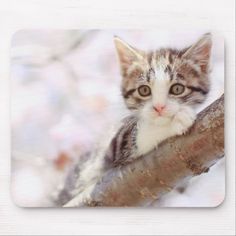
(159, 108)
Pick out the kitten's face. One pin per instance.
(158, 83)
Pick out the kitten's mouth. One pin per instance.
(158, 113)
(163, 114)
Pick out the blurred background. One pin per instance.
(65, 94)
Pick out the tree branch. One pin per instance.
(158, 172)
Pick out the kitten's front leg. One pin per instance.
(183, 120)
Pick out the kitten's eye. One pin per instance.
(177, 89)
(144, 90)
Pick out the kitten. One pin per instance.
(161, 89)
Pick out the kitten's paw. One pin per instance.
(183, 120)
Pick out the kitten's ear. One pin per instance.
(200, 51)
(127, 54)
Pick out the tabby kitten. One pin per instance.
(161, 89)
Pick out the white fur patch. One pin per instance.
(150, 135)
(153, 130)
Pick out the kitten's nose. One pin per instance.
(159, 108)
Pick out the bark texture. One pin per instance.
(159, 171)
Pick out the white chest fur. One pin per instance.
(149, 135)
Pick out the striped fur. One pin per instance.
(122, 149)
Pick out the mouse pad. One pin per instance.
(117, 118)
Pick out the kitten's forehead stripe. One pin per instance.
(170, 58)
(168, 69)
